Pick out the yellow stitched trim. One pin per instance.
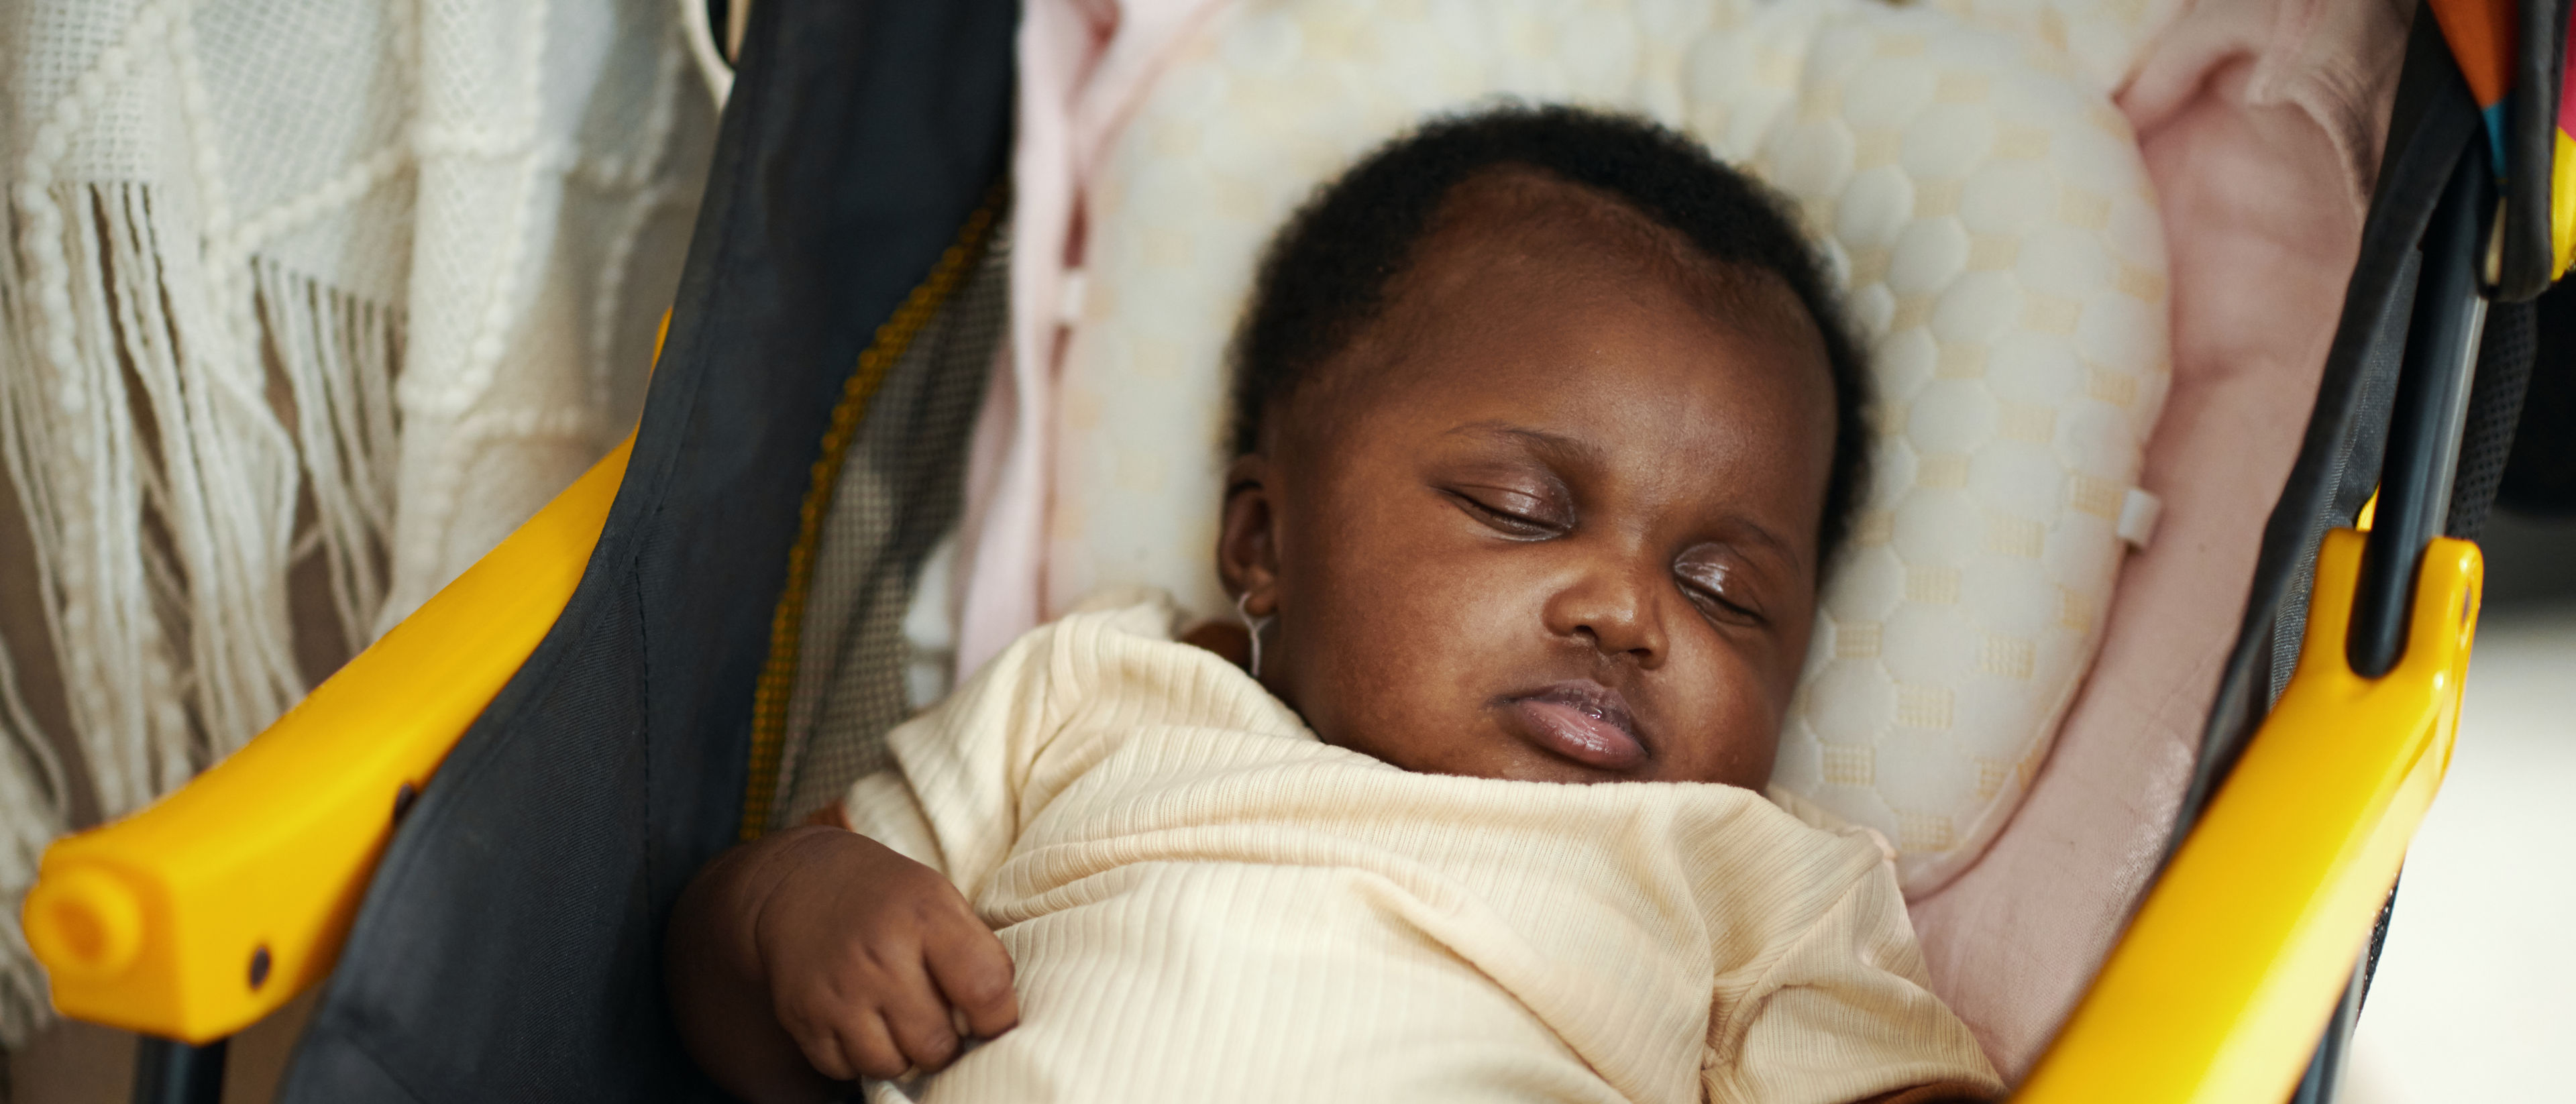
(778, 675)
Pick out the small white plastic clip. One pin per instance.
(2138, 513)
(1069, 297)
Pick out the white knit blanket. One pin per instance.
(333, 291)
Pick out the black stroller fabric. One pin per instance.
(509, 945)
(2540, 472)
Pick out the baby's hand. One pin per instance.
(876, 965)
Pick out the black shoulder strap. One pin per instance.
(509, 946)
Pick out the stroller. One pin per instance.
(471, 835)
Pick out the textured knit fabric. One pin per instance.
(305, 304)
(1206, 902)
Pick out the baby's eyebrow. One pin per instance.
(1554, 446)
(1756, 533)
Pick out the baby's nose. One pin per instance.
(1617, 613)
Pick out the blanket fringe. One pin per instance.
(32, 797)
(183, 428)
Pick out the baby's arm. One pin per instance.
(817, 955)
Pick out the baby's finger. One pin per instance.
(817, 1029)
(919, 1020)
(823, 1052)
(872, 1049)
(974, 972)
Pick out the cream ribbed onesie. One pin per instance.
(1205, 903)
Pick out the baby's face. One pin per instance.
(1553, 518)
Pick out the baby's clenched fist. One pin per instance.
(875, 964)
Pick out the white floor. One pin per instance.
(2476, 994)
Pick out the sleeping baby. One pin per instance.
(1546, 427)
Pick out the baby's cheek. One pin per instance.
(1408, 641)
(1403, 630)
(1738, 733)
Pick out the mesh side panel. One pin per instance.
(2541, 477)
(901, 488)
(2495, 404)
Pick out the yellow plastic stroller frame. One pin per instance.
(207, 911)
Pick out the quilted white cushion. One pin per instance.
(1981, 200)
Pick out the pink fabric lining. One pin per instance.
(1083, 64)
(2261, 124)
(2260, 121)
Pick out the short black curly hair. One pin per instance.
(1324, 278)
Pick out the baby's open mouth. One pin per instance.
(1583, 721)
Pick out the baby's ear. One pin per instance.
(1247, 551)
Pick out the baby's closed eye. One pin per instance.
(1518, 513)
(1723, 584)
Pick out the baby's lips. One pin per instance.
(1581, 730)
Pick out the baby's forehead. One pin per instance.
(1593, 242)
(1519, 275)
(1560, 250)
(1513, 205)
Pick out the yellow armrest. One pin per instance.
(204, 912)
(2223, 983)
